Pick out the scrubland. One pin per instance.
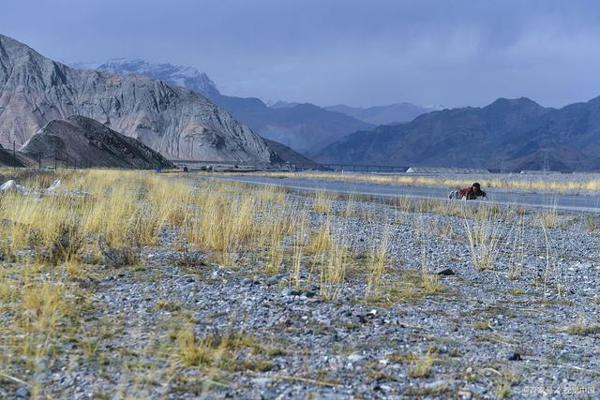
(142, 285)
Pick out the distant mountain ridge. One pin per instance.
(383, 115)
(512, 134)
(305, 128)
(175, 121)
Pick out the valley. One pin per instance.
(311, 224)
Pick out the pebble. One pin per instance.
(446, 272)
(22, 393)
(515, 357)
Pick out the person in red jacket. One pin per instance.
(470, 193)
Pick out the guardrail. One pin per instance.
(296, 166)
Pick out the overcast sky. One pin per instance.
(367, 52)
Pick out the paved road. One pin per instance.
(580, 203)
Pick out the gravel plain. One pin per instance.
(527, 327)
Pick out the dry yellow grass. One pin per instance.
(38, 301)
(421, 366)
(322, 202)
(333, 271)
(377, 264)
(46, 234)
(223, 223)
(483, 236)
(517, 254)
(299, 244)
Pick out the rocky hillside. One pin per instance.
(175, 121)
(290, 156)
(383, 115)
(304, 127)
(177, 75)
(84, 142)
(507, 134)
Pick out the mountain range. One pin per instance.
(168, 108)
(383, 115)
(306, 128)
(177, 122)
(508, 134)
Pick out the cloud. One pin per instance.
(334, 51)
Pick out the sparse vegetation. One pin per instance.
(322, 203)
(61, 251)
(591, 223)
(483, 238)
(583, 328)
(421, 366)
(377, 264)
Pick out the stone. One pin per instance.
(23, 393)
(446, 272)
(12, 186)
(515, 357)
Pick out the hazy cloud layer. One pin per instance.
(338, 51)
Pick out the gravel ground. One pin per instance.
(487, 334)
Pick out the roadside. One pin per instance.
(556, 201)
(583, 183)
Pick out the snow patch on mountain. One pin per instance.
(177, 75)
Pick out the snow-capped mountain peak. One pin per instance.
(178, 75)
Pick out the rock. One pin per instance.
(515, 357)
(446, 272)
(25, 254)
(274, 280)
(22, 393)
(55, 186)
(438, 386)
(261, 381)
(12, 186)
(382, 388)
(354, 357)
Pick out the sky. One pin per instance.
(361, 53)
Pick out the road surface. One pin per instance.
(581, 203)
